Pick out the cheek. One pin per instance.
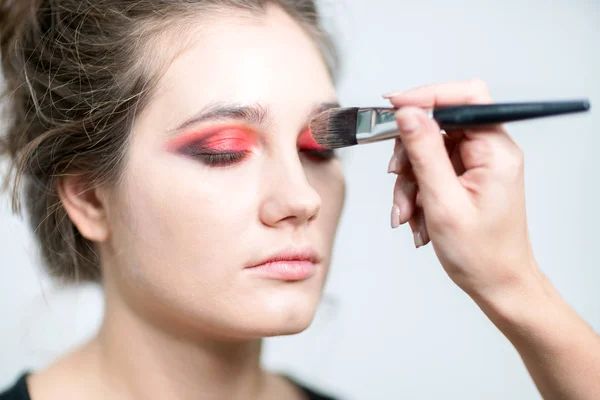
(329, 181)
(177, 216)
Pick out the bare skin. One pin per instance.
(184, 319)
(465, 193)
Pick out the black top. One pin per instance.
(19, 391)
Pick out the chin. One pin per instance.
(284, 316)
(290, 326)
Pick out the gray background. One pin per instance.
(392, 324)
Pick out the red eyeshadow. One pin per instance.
(230, 138)
(307, 142)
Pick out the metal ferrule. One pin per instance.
(376, 124)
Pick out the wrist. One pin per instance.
(531, 313)
(522, 304)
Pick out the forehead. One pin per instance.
(266, 58)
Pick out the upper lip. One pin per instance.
(291, 254)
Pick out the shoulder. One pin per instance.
(18, 391)
(47, 383)
(309, 392)
(312, 395)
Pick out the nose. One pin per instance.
(289, 198)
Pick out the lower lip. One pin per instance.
(286, 270)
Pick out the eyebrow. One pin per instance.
(255, 114)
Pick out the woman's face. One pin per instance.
(222, 175)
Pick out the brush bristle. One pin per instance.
(335, 128)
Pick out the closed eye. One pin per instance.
(308, 145)
(320, 155)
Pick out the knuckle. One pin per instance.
(479, 91)
(423, 147)
(519, 151)
(478, 85)
(519, 154)
(481, 150)
(517, 161)
(514, 162)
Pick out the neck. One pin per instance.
(142, 360)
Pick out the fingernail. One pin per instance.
(392, 94)
(408, 121)
(425, 235)
(395, 216)
(418, 239)
(423, 230)
(393, 165)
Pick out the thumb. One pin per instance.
(426, 151)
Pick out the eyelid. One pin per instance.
(225, 143)
(198, 136)
(222, 159)
(307, 141)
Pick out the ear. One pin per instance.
(85, 206)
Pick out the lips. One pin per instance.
(288, 265)
(291, 255)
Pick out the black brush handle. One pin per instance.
(457, 117)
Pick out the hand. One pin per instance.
(463, 191)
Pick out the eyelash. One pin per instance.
(320, 155)
(224, 159)
(215, 159)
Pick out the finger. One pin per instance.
(493, 150)
(473, 91)
(428, 157)
(453, 148)
(399, 163)
(418, 200)
(405, 191)
(419, 228)
(398, 158)
(453, 151)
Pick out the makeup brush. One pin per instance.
(343, 127)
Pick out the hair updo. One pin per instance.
(76, 75)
